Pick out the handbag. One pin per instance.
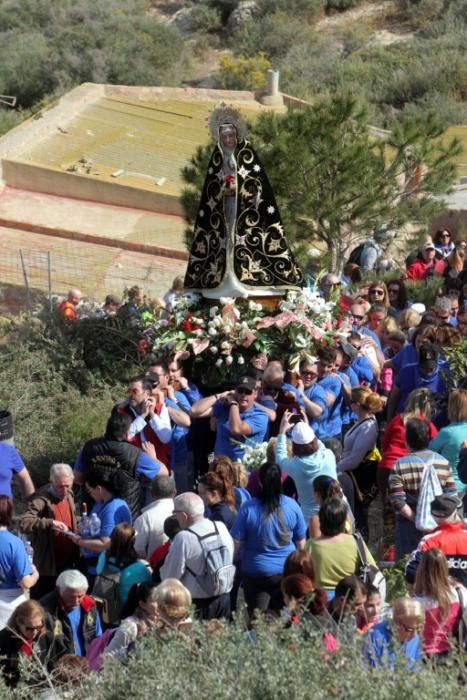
(366, 572)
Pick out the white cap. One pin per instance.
(419, 307)
(302, 434)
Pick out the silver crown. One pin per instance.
(224, 115)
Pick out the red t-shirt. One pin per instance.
(65, 549)
(394, 446)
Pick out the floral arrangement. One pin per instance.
(219, 340)
(254, 455)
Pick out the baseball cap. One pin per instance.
(246, 382)
(302, 434)
(443, 506)
(428, 357)
(428, 243)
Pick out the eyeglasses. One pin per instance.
(399, 623)
(357, 317)
(306, 373)
(376, 291)
(445, 235)
(244, 392)
(36, 628)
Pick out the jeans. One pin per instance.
(407, 537)
(216, 607)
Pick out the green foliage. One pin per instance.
(243, 73)
(395, 581)
(47, 47)
(346, 181)
(341, 5)
(60, 383)
(457, 360)
(8, 119)
(310, 10)
(222, 662)
(206, 19)
(274, 35)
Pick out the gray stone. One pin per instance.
(182, 20)
(243, 13)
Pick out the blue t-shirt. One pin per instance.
(74, 617)
(256, 419)
(14, 562)
(406, 356)
(350, 378)
(110, 513)
(380, 650)
(220, 512)
(410, 378)
(10, 464)
(316, 394)
(331, 424)
(362, 369)
(178, 443)
(262, 552)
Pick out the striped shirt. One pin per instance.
(406, 477)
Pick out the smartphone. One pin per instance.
(296, 418)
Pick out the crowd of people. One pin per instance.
(158, 521)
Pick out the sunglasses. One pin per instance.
(376, 291)
(306, 373)
(445, 235)
(357, 317)
(244, 392)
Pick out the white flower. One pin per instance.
(219, 362)
(225, 345)
(213, 311)
(212, 331)
(228, 360)
(214, 350)
(226, 300)
(241, 360)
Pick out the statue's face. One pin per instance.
(228, 138)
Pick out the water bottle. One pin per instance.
(29, 551)
(94, 525)
(84, 523)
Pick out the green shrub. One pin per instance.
(206, 19)
(274, 35)
(242, 73)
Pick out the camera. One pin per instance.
(296, 418)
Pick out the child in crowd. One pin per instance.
(369, 616)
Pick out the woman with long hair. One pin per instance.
(122, 557)
(323, 488)
(26, 635)
(358, 454)
(233, 472)
(440, 601)
(378, 293)
(268, 528)
(398, 297)
(335, 552)
(218, 497)
(443, 241)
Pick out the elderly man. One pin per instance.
(234, 417)
(149, 525)
(50, 513)
(198, 541)
(67, 308)
(426, 265)
(74, 614)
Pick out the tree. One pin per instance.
(335, 180)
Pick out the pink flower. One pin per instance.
(266, 322)
(247, 337)
(199, 345)
(283, 319)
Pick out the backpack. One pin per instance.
(429, 489)
(105, 591)
(366, 572)
(219, 572)
(356, 254)
(96, 649)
